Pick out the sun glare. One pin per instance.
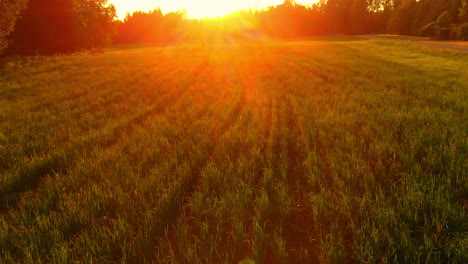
(196, 9)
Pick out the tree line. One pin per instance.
(55, 26)
(441, 19)
(62, 26)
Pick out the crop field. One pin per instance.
(332, 150)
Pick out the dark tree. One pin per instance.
(463, 11)
(9, 13)
(444, 20)
(401, 18)
(62, 26)
(96, 23)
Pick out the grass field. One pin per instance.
(460, 43)
(424, 41)
(332, 150)
(402, 37)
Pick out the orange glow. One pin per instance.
(196, 8)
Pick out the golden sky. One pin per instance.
(195, 8)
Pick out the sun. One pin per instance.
(210, 9)
(196, 9)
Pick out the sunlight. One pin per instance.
(196, 9)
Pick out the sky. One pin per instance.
(195, 8)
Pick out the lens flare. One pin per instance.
(196, 9)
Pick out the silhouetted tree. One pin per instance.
(444, 20)
(51, 26)
(96, 23)
(359, 17)
(463, 11)
(401, 19)
(339, 15)
(429, 30)
(9, 13)
(151, 27)
(463, 33)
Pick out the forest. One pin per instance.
(46, 27)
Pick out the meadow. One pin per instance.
(331, 150)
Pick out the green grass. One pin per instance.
(318, 151)
(459, 43)
(401, 37)
(415, 38)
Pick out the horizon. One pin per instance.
(203, 9)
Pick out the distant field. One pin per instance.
(332, 150)
(401, 37)
(460, 43)
(424, 41)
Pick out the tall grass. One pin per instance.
(302, 152)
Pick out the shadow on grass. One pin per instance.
(31, 177)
